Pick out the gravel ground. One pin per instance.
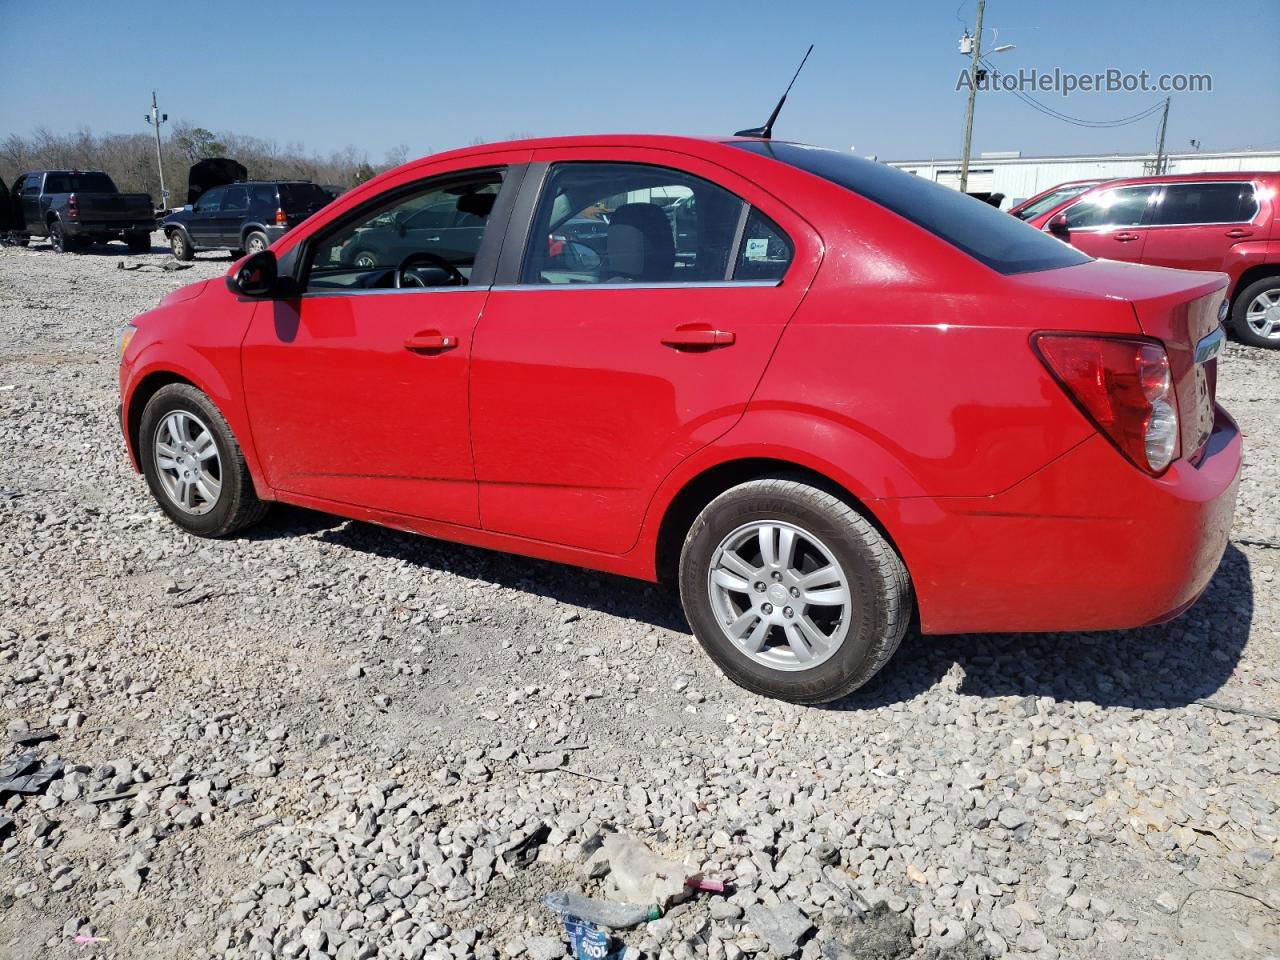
(329, 740)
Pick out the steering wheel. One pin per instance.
(456, 279)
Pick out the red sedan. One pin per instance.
(826, 398)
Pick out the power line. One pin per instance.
(1078, 121)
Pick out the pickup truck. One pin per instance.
(74, 208)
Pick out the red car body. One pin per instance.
(571, 423)
(1244, 244)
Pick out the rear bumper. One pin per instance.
(75, 228)
(1087, 543)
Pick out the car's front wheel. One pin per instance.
(1255, 315)
(193, 464)
(791, 591)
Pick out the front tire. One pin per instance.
(792, 592)
(194, 466)
(1255, 315)
(180, 246)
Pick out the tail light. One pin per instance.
(281, 219)
(1122, 385)
(73, 206)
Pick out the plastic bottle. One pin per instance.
(619, 916)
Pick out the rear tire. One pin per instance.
(1255, 315)
(57, 238)
(180, 245)
(829, 535)
(236, 504)
(256, 241)
(138, 241)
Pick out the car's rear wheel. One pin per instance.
(180, 245)
(58, 237)
(193, 464)
(1255, 315)
(791, 591)
(138, 241)
(256, 241)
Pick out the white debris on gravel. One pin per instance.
(329, 740)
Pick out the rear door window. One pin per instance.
(1117, 207)
(631, 223)
(236, 200)
(1194, 203)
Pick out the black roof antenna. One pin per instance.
(766, 132)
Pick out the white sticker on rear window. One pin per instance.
(757, 249)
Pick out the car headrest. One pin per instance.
(479, 204)
(640, 244)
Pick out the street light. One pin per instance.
(972, 47)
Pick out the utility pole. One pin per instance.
(155, 118)
(1164, 122)
(974, 55)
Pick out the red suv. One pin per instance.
(1227, 222)
(824, 397)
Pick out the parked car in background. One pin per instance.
(1053, 197)
(811, 429)
(1219, 222)
(246, 216)
(74, 208)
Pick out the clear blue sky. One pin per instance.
(436, 75)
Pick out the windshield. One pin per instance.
(994, 238)
(1050, 200)
(78, 183)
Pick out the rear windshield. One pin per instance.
(302, 196)
(998, 240)
(1050, 200)
(78, 183)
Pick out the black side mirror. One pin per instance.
(255, 276)
(1058, 226)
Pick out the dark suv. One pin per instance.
(242, 216)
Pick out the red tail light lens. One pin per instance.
(73, 206)
(281, 219)
(1124, 387)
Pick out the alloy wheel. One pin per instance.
(780, 595)
(187, 462)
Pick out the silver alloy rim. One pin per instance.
(780, 596)
(256, 245)
(187, 462)
(1263, 315)
(178, 244)
(365, 260)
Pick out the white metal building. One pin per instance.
(1018, 177)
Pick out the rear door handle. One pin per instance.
(430, 342)
(698, 336)
(1237, 233)
(1126, 237)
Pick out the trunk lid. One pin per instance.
(1180, 308)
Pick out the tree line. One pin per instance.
(130, 158)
